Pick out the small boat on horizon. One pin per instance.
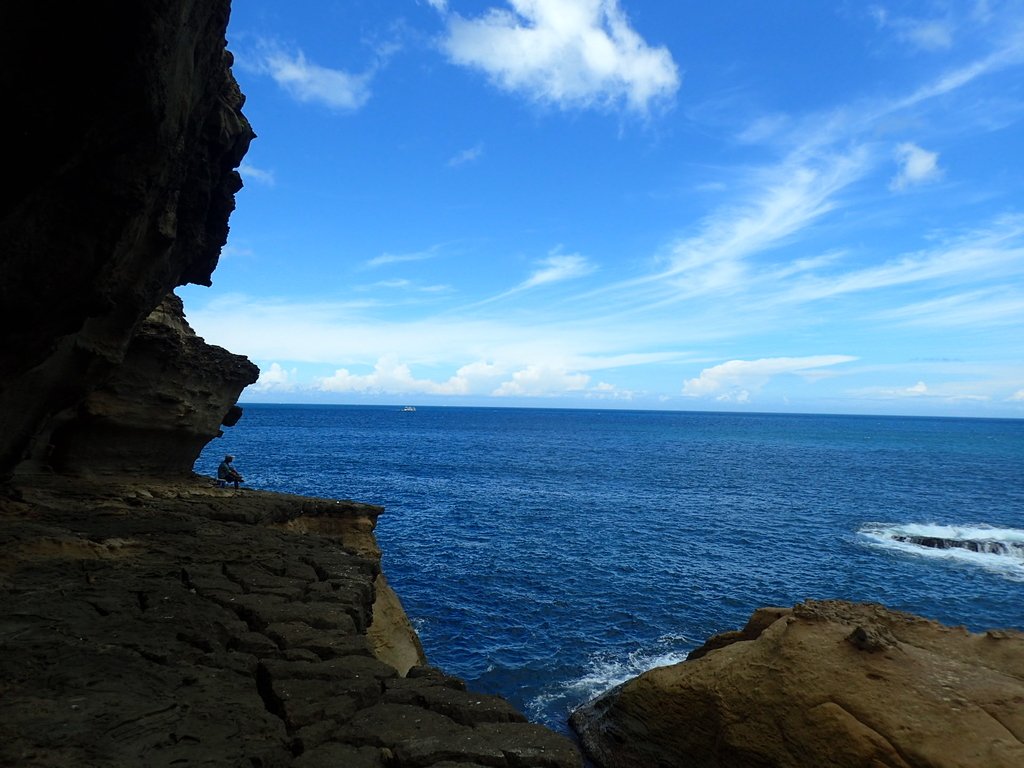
(408, 408)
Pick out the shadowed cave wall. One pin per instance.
(125, 129)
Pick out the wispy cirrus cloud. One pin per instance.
(557, 268)
(404, 284)
(782, 201)
(403, 258)
(470, 155)
(980, 308)
(925, 34)
(989, 252)
(950, 392)
(570, 53)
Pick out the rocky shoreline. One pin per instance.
(170, 623)
(825, 683)
(148, 617)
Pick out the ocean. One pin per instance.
(546, 555)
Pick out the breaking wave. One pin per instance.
(1000, 550)
(604, 671)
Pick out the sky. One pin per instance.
(792, 206)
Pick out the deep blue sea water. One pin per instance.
(546, 555)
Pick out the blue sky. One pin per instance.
(788, 206)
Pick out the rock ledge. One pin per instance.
(167, 623)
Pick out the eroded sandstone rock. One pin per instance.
(828, 683)
(125, 129)
(156, 411)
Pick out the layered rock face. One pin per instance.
(148, 617)
(156, 411)
(126, 132)
(827, 683)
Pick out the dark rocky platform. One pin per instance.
(175, 623)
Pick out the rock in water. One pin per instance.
(827, 683)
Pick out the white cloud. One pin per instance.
(275, 379)
(400, 258)
(994, 251)
(950, 392)
(980, 308)
(923, 34)
(787, 198)
(916, 166)
(572, 53)
(252, 173)
(605, 391)
(466, 156)
(734, 396)
(542, 380)
(402, 284)
(389, 376)
(736, 378)
(309, 82)
(556, 268)
(1017, 397)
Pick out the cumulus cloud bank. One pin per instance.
(539, 380)
(571, 53)
(275, 379)
(733, 380)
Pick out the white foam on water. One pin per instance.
(603, 672)
(1002, 549)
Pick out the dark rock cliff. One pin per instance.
(148, 617)
(125, 127)
(158, 409)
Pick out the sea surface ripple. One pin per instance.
(546, 555)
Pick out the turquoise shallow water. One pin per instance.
(546, 555)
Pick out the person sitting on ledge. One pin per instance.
(227, 473)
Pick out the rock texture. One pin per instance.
(827, 683)
(158, 623)
(156, 411)
(146, 616)
(125, 129)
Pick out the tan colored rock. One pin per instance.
(167, 399)
(391, 635)
(828, 683)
